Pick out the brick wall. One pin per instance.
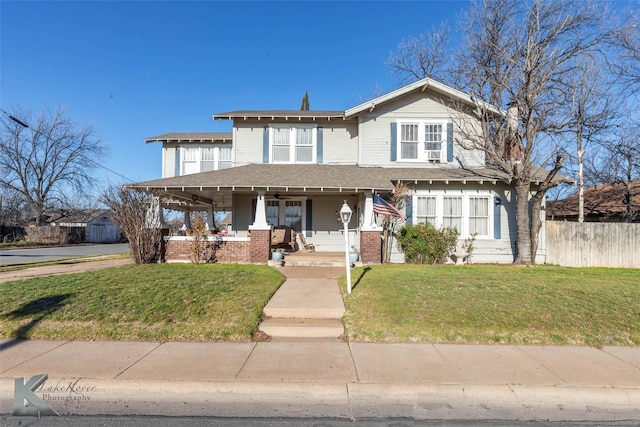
(232, 251)
(370, 247)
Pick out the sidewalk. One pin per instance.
(328, 379)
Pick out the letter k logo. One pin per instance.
(23, 394)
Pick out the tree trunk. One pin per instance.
(536, 223)
(523, 236)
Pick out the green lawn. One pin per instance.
(390, 303)
(494, 304)
(157, 302)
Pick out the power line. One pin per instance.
(24, 125)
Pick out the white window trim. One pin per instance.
(466, 195)
(199, 162)
(423, 156)
(292, 144)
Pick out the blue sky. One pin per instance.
(142, 68)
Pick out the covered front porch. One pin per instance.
(272, 218)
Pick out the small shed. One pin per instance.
(102, 229)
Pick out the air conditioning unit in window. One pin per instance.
(433, 156)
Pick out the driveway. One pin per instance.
(21, 256)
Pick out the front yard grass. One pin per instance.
(494, 304)
(157, 302)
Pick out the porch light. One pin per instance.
(345, 215)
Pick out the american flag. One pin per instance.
(381, 206)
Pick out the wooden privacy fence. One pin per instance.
(593, 244)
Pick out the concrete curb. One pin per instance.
(341, 400)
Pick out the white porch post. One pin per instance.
(187, 219)
(369, 221)
(260, 221)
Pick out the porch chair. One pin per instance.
(307, 247)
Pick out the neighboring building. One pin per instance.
(94, 226)
(296, 168)
(602, 203)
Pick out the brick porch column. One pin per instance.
(260, 245)
(370, 247)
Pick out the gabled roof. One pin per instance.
(422, 86)
(193, 137)
(279, 114)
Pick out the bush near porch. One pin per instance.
(494, 304)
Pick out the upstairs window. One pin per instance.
(293, 144)
(422, 141)
(409, 141)
(202, 159)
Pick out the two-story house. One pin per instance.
(296, 168)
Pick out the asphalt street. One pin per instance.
(21, 256)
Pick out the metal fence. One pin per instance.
(593, 244)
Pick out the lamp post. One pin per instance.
(345, 216)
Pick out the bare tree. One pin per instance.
(42, 156)
(133, 211)
(589, 102)
(424, 55)
(521, 56)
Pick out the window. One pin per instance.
(409, 141)
(452, 213)
(203, 159)
(470, 213)
(273, 212)
(225, 158)
(478, 216)
(190, 160)
(285, 212)
(422, 141)
(293, 215)
(208, 159)
(427, 209)
(293, 144)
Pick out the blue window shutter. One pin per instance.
(177, 169)
(393, 142)
(449, 142)
(309, 226)
(319, 146)
(409, 211)
(265, 145)
(497, 233)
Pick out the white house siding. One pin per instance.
(169, 160)
(340, 142)
(375, 130)
(248, 136)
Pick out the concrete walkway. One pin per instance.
(327, 378)
(308, 305)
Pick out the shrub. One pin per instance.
(424, 244)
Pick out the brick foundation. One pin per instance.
(370, 247)
(224, 251)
